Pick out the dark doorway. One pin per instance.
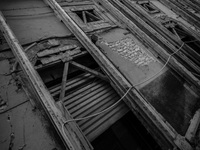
(126, 134)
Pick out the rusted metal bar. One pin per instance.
(84, 68)
(53, 111)
(55, 50)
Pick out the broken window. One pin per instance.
(88, 16)
(149, 7)
(182, 34)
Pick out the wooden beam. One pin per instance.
(84, 68)
(84, 17)
(194, 124)
(53, 111)
(47, 60)
(64, 80)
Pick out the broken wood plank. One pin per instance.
(84, 68)
(60, 56)
(64, 80)
(54, 113)
(39, 67)
(55, 50)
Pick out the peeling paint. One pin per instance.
(128, 49)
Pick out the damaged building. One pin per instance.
(99, 74)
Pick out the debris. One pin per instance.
(55, 50)
(32, 52)
(53, 42)
(53, 58)
(64, 80)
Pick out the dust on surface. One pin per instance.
(21, 127)
(172, 100)
(130, 56)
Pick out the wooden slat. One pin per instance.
(94, 122)
(92, 135)
(89, 98)
(92, 98)
(71, 82)
(80, 95)
(47, 60)
(74, 85)
(72, 131)
(92, 107)
(55, 50)
(91, 86)
(109, 103)
(111, 116)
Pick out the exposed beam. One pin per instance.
(53, 111)
(51, 51)
(64, 80)
(84, 68)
